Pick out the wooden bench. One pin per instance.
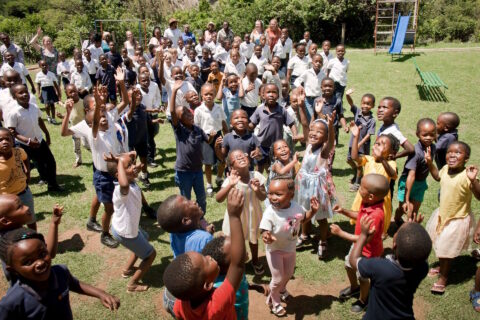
(429, 79)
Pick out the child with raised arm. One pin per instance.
(230, 93)
(49, 90)
(315, 179)
(127, 209)
(364, 120)
(373, 188)
(337, 69)
(379, 162)
(33, 296)
(452, 224)
(393, 280)
(190, 277)
(413, 181)
(447, 124)
(280, 227)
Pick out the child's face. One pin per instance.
(317, 134)
(251, 73)
(279, 195)
(208, 265)
(31, 260)
(192, 55)
(317, 63)
(456, 156)
(246, 38)
(11, 58)
(232, 83)
(14, 213)
(177, 74)
(326, 47)
(367, 197)
(103, 61)
(386, 112)
(22, 96)
(258, 51)
(367, 105)
(43, 65)
(185, 116)
(190, 210)
(328, 87)
(285, 88)
(306, 36)
(281, 151)
(144, 80)
(382, 148)
(312, 50)
(340, 51)
(239, 120)
(235, 57)
(124, 52)
(427, 134)
(276, 63)
(180, 43)
(72, 93)
(239, 160)
(79, 65)
(88, 55)
(270, 94)
(192, 99)
(194, 71)
(205, 54)
(208, 95)
(10, 79)
(202, 41)
(111, 45)
(130, 166)
(61, 56)
(301, 51)
(6, 142)
(141, 61)
(214, 67)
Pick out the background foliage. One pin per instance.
(68, 22)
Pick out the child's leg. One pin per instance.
(275, 263)
(78, 151)
(254, 251)
(94, 208)
(416, 207)
(288, 269)
(199, 189)
(208, 174)
(130, 263)
(52, 110)
(184, 181)
(220, 170)
(143, 268)
(107, 217)
(47, 110)
(352, 278)
(364, 289)
(323, 225)
(353, 165)
(306, 228)
(445, 264)
(477, 280)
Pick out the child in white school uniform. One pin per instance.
(49, 90)
(258, 60)
(297, 64)
(246, 47)
(337, 70)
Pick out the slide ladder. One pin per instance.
(399, 35)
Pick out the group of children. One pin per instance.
(240, 110)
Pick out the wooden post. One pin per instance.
(343, 33)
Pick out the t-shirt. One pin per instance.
(81, 80)
(78, 113)
(251, 98)
(194, 240)
(338, 70)
(23, 302)
(215, 79)
(259, 62)
(219, 305)
(17, 66)
(241, 296)
(443, 141)
(368, 127)
(284, 224)
(107, 78)
(127, 209)
(297, 65)
(375, 247)
(270, 124)
(209, 120)
(247, 143)
(330, 105)
(12, 177)
(392, 287)
(7, 103)
(238, 69)
(25, 121)
(416, 161)
(45, 80)
(394, 131)
(172, 34)
(311, 81)
(188, 145)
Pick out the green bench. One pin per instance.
(429, 79)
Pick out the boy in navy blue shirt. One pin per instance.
(106, 77)
(447, 123)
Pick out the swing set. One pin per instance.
(99, 26)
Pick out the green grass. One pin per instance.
(368, 73)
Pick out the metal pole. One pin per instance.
(145, 32)
(140, 33)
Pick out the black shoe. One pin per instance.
(94, 226)
(55, 188)
(152, 164)
(358, 306)
(107, 240)
(150, 212)
(348, 293)
(145, 182)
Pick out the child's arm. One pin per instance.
(289, 74)
(302, 114)
(52, 236)
(65, 130)
(233, 179)
(407, 206)
(314, 205)
(59, 92)
(43, 127)
(391, 172)
(26, 169)
(220, 151)
(39, 89)
(408, 148)
(220, 90)
(472, 172)
(331, 136)
(259, 189)
(336, 230)
(99, 94)
(120, 78)
(237, 260)
(176, 86)
(364, 140)
(288, 167)
(241, 91)
(431, 166)
(349, 96)
(110, 302)
(355, 133)
(224, 127)
(362, 240)
(31, 83)
(348, 213)
(161, 76)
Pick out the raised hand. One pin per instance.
(337, 208)
(335, 229)
(256, 154)
(428, 155)
(366, 223)
(267, 237)
(110, 157)
(472, 172)
(350, 91)
(255, 184)
(235, 202)
(69, 105)
(218, 142)
(314, 204)
(57, 214)
(331, 119)
(319, 105)
(177, 85)
(355, 129)
(233, 177)
(120, 74)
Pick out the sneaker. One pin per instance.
(94, 226)
(258, 268)
(209, 191)
(358, 306)
(55, 188)
(152, 164)
(53, 121)
(354, 187)
(150, 212)
(144, 181)
(49, 120)
(108, 240)
(41, 182)
(218, 181)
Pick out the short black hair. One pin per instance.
(424, 121)
(397, 106)
(467, 148)
(181, 278)
(9, 239)
(370, 96)
(378, 185)
(394, 142)
(327, 79)
(413, 245)
(214, 249)
(97, 37)
(169, 216)
(453, 120)
(112, 168)
(288, 179)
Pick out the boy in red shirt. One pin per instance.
(191, 276)
(373, 188)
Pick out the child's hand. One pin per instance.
(250, 87)
(120, 74)
(335, 229)
(177, 85)
(110, 302)
(331, 119)
(110, 157)
(267, 237)
(428, 156)
(295, 157)
(472, 172)
(235, 202)
(233, 177)
(256, 154)
(407, 207)
(319, 105)
(350, 91)
(314, 204)
(210, 229)
(301, 95)
(416, 217)
(255, 184)
(354, 129)
(57, 214)
(338, 209)
(69, 105)
(218, 142)
(366, 223)
(34, 143)
(59, 115)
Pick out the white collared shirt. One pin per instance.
(209, 120)
(246, 49)
(81, 80)
(45, 80)
(91, 66)
(307, 44)
(153, 98)
(338, 70)
(325, 60)
(281, 50)
(63, 67)
(7, 103)
(260, 63)
(25, 121)
(298, 65)
(311, 82)
(95, 52)
(238, 69)
(18, 67)
(251, 98)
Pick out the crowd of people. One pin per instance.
(262, 112)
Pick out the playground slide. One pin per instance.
(399, 35)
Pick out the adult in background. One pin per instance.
(106, 38)
(172, 32)
(208, 34)
(273, 33)
(8, 46)
(156, 37)
(130, 44)
(225, 33)
(47, 50)
(187, 34)
(257, 32)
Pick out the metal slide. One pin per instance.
(399, 35)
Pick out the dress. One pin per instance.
(314, 179)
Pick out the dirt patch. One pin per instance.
(420, 308)
(79, 240)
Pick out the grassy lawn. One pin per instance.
(93, 263)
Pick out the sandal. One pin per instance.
(322, 250)
(284, 296)
(348, 293)
(258, 268)
(279, 311)
(433, 272)
(137, 288)
(303, 240)
(437, 289)
(128, 273)
(475, 299)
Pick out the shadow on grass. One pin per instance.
(431, 94)
(404, 57)
(463, 269)
(303, 305)
(74, 244)
(343, 172)
(154, 276)
(71, 184)
(165, 155)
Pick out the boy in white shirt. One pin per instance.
(306, 40)
(63, 69)
(90, 64)
(221, 54)
(258, 60)
(234, 65)
(7, 102)
(266, 53)
(312, 81)
(96, 48)
(211, 118)
(246, 47)
(251, 86)
(297, 64)
(337, 70)
(199, 47)
(81, 79)
(283, 49)
(10, 64)
(326, 55)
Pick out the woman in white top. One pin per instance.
(156, 37)
(257, 32)
(130, 44)
(47, 50)
(208, 34)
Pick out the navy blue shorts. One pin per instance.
(103, 183)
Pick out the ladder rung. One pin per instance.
(384, 32)
(384, 25)
(382, 17)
